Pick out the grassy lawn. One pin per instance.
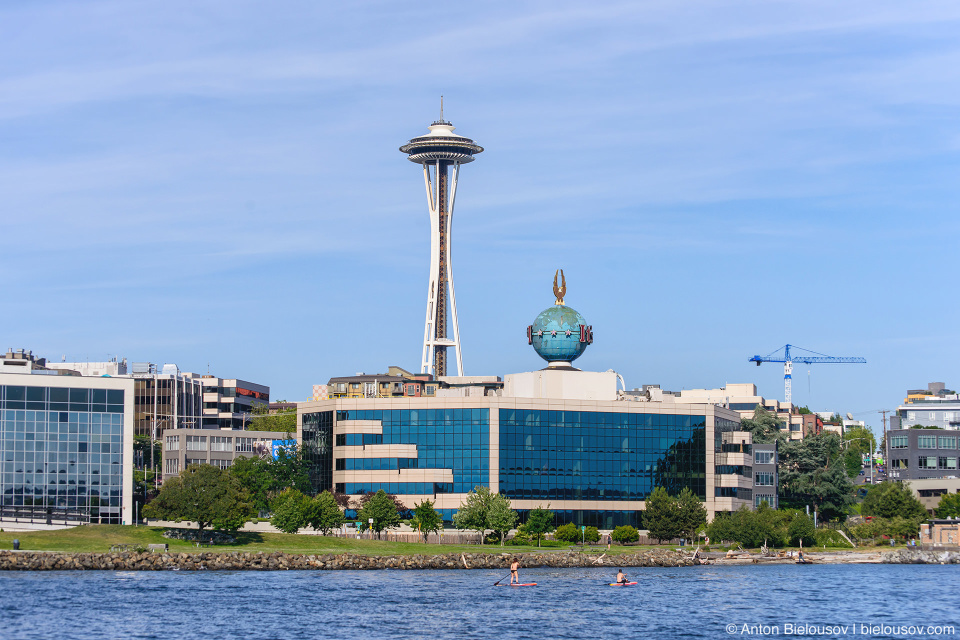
(99, 538)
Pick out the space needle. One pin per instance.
(440, 151)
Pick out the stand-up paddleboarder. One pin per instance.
(515, 571)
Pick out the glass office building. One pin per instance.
(66, 444)
(592, 462)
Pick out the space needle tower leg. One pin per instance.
(440, 151)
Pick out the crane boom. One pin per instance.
(788, 359)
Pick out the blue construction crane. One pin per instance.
(788, 359)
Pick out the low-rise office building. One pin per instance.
(930, 490)
(746, 473)
(66, 444)
(400, 383)
(935, 406)
(916, 454)
(220, 448)
(592, 462)
(229, 403)
(165, 398)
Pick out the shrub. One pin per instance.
(567, 533)
(624, 534)
(571, 533)
(830, 538)
(521, 539)
(751, 528)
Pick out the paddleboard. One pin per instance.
(622, 584)
(525, 584)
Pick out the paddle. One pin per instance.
(502, 579)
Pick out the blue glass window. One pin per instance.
(570, 455)
(454, 439)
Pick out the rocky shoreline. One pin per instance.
(240, 561)
(133, 561)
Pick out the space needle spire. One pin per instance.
(441, 152)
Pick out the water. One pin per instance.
(569, 603)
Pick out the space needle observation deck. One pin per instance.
(440, 151)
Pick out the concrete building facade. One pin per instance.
(229, 403)
(220, 448)
(930, 490)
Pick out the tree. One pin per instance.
(426, 519)
(891, 499)
(759, 527)
(324, 514)
(146, 456)
(750, 528)
(903, 528)
(255, 477)
(290, 469)
(381, 507)
(764, 426)
(812, 473)
(290, 511)
(661, 517)
(203, 494)
(801, 528)
(263, 478)
(690, 513)
(474, 510)
(500, 516)
(539, 523)
(624, 534)
(858, 442)
(401, 508)
(949, 506)
(342, 499)
(722, 529)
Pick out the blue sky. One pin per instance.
(217, 184)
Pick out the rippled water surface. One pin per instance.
(568, 603)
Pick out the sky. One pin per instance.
(218, 185)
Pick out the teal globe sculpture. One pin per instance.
(559, 335)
